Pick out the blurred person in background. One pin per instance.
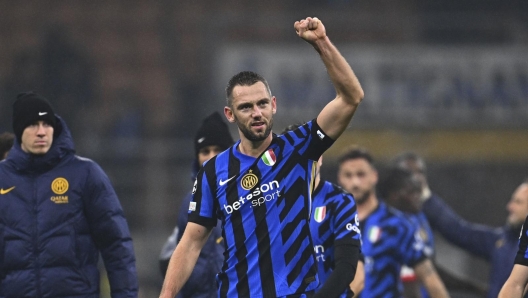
(402, 190)
(212, 137)
(498, 245)
(413, 163)
(334, 225)
(6, 142)
(516, 284)
(58, 212)
(389, 240)
(261, 187)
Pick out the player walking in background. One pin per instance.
(416, 165)
(6, 142)
(211, 138)
(496, 245)
(335, 233)
(58, 212)
(389, 239)
(260, 188)
(402, 190)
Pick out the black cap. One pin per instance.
(212, 132)
(29, 108)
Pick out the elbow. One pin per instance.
(356, 97)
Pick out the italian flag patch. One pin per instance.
(319, 213)
(269, 158)
(374, 234)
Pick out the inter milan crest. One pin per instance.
(249, 181)
(320, 213)
(60, 186)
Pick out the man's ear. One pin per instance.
(228, 112)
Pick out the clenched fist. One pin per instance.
(310, 29)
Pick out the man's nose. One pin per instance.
(41, 130)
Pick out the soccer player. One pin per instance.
(58, 214)
(261, 187)
(335, 233)
(515, 285)
(389, 239)
(402, 190)
(416, 165)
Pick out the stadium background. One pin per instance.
(133, 79)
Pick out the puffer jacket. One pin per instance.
(57, 212)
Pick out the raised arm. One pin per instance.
(184, 258)
(476, 238)
(336, 115)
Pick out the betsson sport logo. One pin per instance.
(267, 192)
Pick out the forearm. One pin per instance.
(511, 290)
(341, 74)
(346, 258)
(180, 268)
(184, 258)
(431, 280)
(476, 238)
(358, 283)
(516, 284)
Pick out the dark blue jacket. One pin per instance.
(496, 245)
(57, 212)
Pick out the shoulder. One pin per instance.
(87, 166)
(395, 218)
(338, 194)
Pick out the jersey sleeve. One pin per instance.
(522, 254)
(346, 221)
(202, 206)
(310, 140)
(413, 248)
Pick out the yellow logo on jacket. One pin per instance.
(60, 186)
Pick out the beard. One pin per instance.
(255, 137)
(362, 197)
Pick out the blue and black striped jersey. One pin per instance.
(334, 218)
(522, 254)
(389, 241)
(264, 204)
(426, 233)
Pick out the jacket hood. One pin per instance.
(61, 147)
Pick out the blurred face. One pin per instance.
(518, 206)
(408, 199)
(358, 177)
(417, 168)
(37, 138)
(252, 110)
(207, 153)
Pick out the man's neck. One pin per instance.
(252, 148)
(367, 207)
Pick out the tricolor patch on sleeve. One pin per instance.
(269, 158)
(320, 213)
(374, 234)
